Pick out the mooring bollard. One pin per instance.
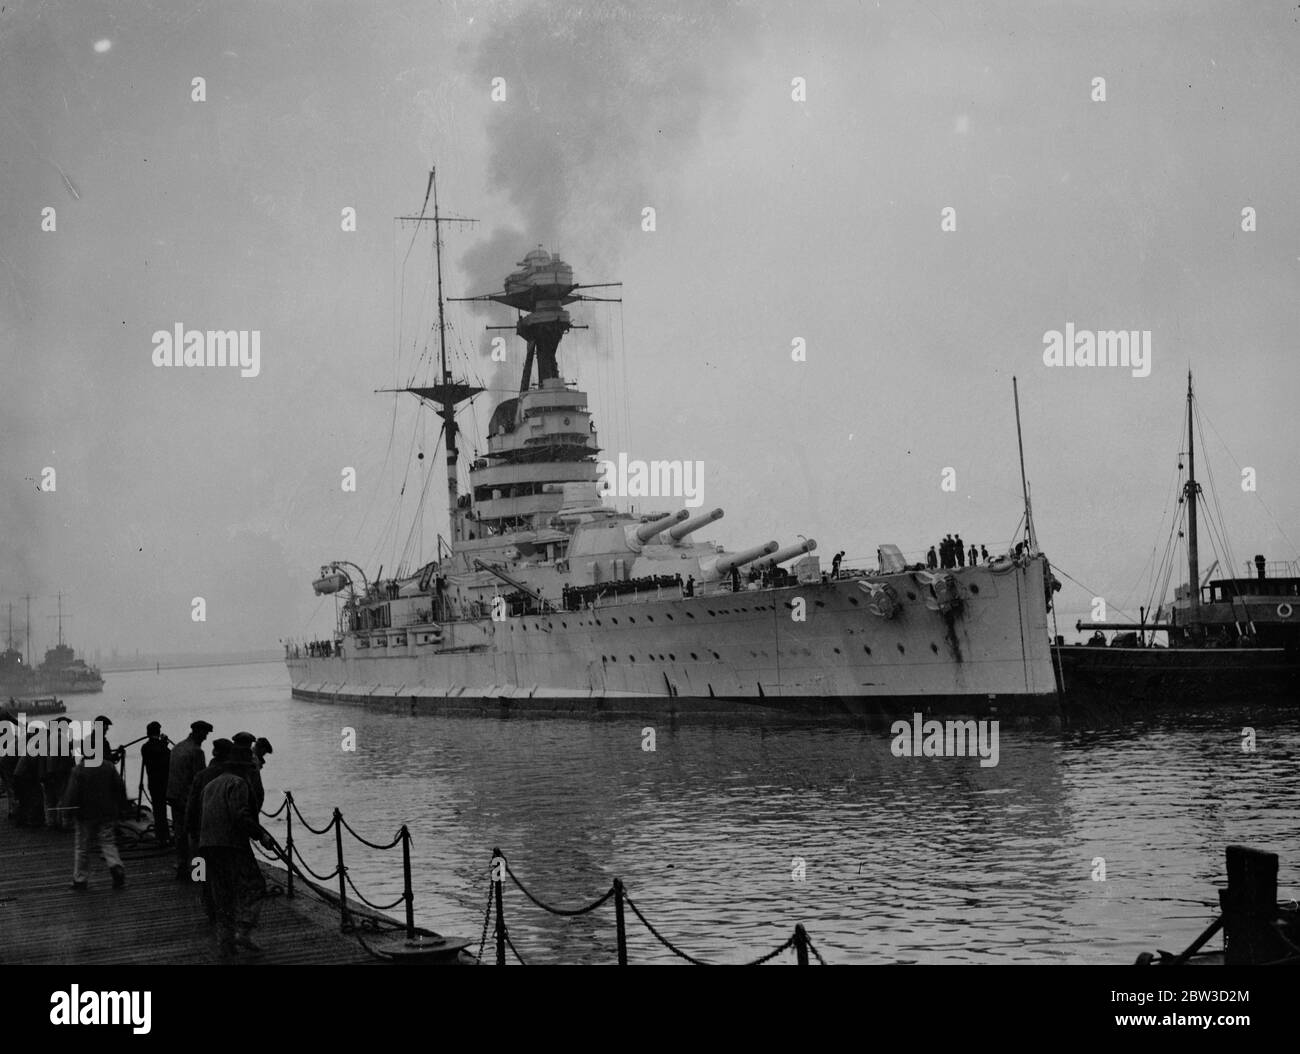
(344, 924)
(801, 944)
(288, 842)
(498, 876)
(619, 924)
(407, 894)
(1249, 907)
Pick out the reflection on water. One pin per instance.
(907, 860)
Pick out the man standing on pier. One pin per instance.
(154, 754)
(97, 793)
(194, 809)
(228, 822)
(185, 763)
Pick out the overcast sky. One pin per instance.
(776, 219)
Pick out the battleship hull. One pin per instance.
(744, 653)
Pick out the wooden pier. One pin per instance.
(153, 919)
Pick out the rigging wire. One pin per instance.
(1294, 552)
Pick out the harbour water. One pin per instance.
(905, 859)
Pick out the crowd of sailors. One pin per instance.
(213, 805)
(952, 552)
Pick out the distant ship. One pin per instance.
(1231, 639)
(16, 677)
(547, 599)
(60, 672)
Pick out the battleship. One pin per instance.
(1229, 639)
(546, 598)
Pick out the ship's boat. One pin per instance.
(547, 597)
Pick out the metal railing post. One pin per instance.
(801, 944)
(407, 894)
(619, 923)
(288, 842)
(344, 924)
(497, 883)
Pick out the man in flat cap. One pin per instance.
(185, 763)
(247, 739)
(111, 753)
(155, 757)
(228, 822)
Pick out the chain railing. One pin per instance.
(290, 855)
(500, 870)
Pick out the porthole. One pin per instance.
(902, 650)
(934, 647)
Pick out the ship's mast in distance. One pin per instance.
(1190, 491)
(446, 393)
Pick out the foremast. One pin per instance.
(446, 393)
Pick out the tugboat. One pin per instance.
(544, 597)
(1230, 639)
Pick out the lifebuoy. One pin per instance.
(1284, 610)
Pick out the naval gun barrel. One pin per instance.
(727, 561)
(648, 530)
(787, 553)
(704, 519)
